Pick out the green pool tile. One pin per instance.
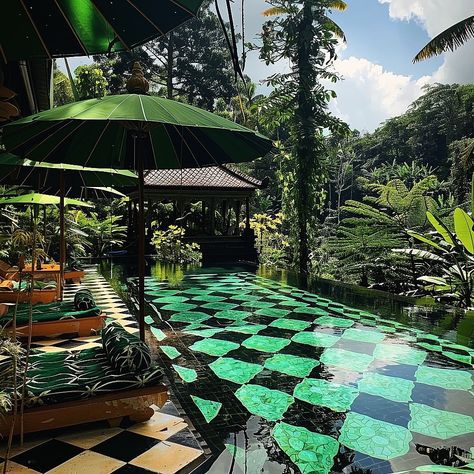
(291, 365)
(214, 347)
(439, 424)
(464, 358)
(246, 328)
(208, 408)
(179, 307)
(208, 298)
(293, 303)
(315, 339)
(149, 320)
(334, 322)
(346, 359)
(196, 292)
(402, 354)
(429, 347)
(189, 317)
(264, 402)
(233, 314)
(327, 394)
(158, 292)
(246, 297)
(257, 304)
(444, 378)
(391, 388)
(170, 299)
(311, 452)
(277, 297)
(219, 306)
(290, 324)
(158, 334)
(187, 375)
(265, 343)
(235, 370)
(207, 332)
(313, 311)
(387, 329)
(170, 351)
(273, 312)
(363, 336)
(375, 438)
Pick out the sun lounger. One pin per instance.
(43, 293)
(7, 272)
(80, 317)
(70, 274)
(110, 382)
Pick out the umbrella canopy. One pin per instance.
(101, 132)
(39, 199)
(134, 131)
(46, 176)
(59, 28)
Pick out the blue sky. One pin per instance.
(383, 36)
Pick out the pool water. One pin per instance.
(278, 379)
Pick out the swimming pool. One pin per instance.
(278, 379)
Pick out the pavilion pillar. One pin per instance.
(212, 216)
(224, 216)
(247, 214)
(238, 207)
(203, 212)
(129, 219)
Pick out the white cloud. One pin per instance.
(369, 94)
(435, 16)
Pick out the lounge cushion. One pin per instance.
(125, 351)
(48, 312)
(65, 376)
(83, 299)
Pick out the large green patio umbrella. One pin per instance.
(59, 28)
(39, 199)
(133, 131)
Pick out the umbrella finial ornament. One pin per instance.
(137, 84)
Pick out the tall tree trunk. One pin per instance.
(170, 64)
(305, 147)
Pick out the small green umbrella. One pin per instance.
(42, 200)
(59, 28)
(133, 131)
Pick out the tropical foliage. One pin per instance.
(170, 247)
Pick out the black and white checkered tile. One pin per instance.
(163, 445)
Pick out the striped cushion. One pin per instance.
(126, 353)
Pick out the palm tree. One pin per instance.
(448, 40)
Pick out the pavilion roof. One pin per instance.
(212, 177)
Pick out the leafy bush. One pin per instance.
(170, 247)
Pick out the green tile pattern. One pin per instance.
(391, 388)
(158, 334)
(315, 339)
(179, 307)
(291, 365)
(327, 394)
(261, 401)
(440, 424)
(189, 317)
(290, 324)
(187, 375)
(375, 438)
(265, 343)
(232, 314)
(235, 370)
(208, 408)
(444, 378)
(334, 321)
(170, 351)
(399, 353)
(273, 312)
(245, 328)
(214, 347)
(346, 359)
(362, 335)
(311, 452)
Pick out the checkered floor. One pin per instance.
(164, 444)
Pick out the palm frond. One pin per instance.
(273, 11)
(338, 5)
(448, 40)
(336, 29)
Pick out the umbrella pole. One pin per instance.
(62, 249)
(141, 248)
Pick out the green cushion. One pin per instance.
(83, 299)
(126, 353)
